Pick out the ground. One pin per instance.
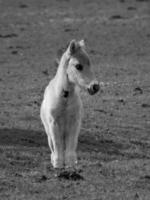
(114, 144)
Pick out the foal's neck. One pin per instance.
(62, 81)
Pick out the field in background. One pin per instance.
(114, 144)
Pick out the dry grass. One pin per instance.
(114, 145)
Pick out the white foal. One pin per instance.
(61, 109)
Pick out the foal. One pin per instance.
(61, 109)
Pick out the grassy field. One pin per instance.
(114, 144)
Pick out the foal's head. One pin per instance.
(79, 68)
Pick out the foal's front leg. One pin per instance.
(71, 142)
(56, 137)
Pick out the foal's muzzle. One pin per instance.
(94, 88)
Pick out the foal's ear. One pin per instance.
(82, 43)
(73, 47)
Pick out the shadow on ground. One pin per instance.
(87, 143)
(113, 149)
(22, 137)
(36, 138)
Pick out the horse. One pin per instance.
(61, 109)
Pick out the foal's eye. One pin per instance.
(79, 67)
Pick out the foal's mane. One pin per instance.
(59, 54)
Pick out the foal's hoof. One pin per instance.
(71, 161)
(71, 165)
(58, 171)
(57, 163)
